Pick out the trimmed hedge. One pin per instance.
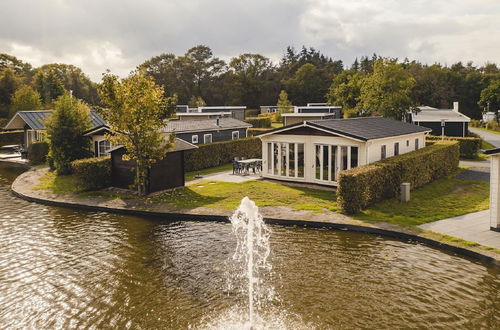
(259, 122)
(37, 152)
(469, 146)
(220, 153)
(92, 173)
(252, 112)
(255, 131)
(11, 137)
(362, 186)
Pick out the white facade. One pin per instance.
(495, 192)
(320, 158)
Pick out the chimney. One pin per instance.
(217, 121)
(455, 106)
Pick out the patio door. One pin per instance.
(285, 159)
(331, 159)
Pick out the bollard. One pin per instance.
(405, 192)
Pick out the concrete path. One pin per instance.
(473, 227)
(225, 177)
(492, 138)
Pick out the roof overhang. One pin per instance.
(179, 145)
(16, 122)
(492, 152)
(99, 129)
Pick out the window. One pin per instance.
(407, 143)
(103, 148)
(383, 152)
(396, 148)
(194, 139)
(416, 144)
(207, 138)
(235, 135)
(354, 157)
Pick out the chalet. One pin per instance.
(237, 112)
(165, 174)
(33, 124)
(208, 130)
(316, 151)
(100, 144)
(449, 122)
(313, 111)
(203, 115)
(265, 109)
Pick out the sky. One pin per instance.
(96, 35)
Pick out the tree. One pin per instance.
(135, 114)
(25, 98)
(307, 85)
(346, 91)
(195, 102)
(283, 104)
(48, 85)
(387, 90)
(65, 128)
(9, 82)
(490, 96)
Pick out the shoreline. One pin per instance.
(22, 188)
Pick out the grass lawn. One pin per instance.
(226, 195)
(63, 184)
(485, 145)
(189, 176)
(441, 199)
(487, 130)
(276, 125)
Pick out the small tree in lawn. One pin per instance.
(65, 128)
(135, 114)
(283, 105)
(25, 98)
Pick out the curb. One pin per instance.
(410, 238)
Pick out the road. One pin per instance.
(492, 138)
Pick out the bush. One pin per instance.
(475, 123)
(255, 131)
(259, 122)
(361, 186)
(92, 173)
(11, 137)
(252, 113)
(469, 146)
(37, 152)
(220, 153)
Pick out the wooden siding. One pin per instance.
(217, 136)
(450, 128)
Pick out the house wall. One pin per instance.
(217, 136)
(165, 174)
(368, 152)
(95, 139)
(201, 116)
(235, 113)
(450, 128)
(337, 112)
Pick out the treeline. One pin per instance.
(371, 85)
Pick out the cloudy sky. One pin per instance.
(120, 34)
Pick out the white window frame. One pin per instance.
(383, 151)
(106, 150)
(396, 149)
(194, 139)
(233, 133)
(205, 138)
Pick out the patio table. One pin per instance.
(249, 163)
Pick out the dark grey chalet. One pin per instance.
(448, 122)
(205, 131)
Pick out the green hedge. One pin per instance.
(259, 122)
(37, 152)
(11, 137)
(469, 146)
(220, 153)
(361, 186)
(92, 173)
(255, 131)
(252, 113)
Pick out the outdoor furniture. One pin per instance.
(237, 167)
(246, 164)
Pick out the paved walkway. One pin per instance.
(492, 138)
(473, 227)
(226, 177)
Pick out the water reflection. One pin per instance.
(61, 268)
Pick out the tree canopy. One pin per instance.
(25, 98)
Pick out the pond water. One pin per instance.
(62, 268)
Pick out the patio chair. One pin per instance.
(237, 167)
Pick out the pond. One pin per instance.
(63, 268)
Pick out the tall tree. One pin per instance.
(283, 105)
(65, 127)
(135, 114)
(9, 82)
(346, 91)
(25, 98)
(387, 91)
(306, 85)
(490, 97)
(48, 85)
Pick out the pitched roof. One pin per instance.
(182, 126)
(179, 145)
(433, 114)
(35, 119)
(363, 128)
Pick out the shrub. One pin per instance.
(492, 125)
(475, 123)
(255, 131)
(220, 153)
(259, 122)
(11, 137)
(361, 186)
(252, 112)
(469, 146)
(92, 173)
(37, 152)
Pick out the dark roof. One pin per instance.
(492, 151)
(36, 118)
(200, 125)
(97, 129)
(179, 145)
(363, 128)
